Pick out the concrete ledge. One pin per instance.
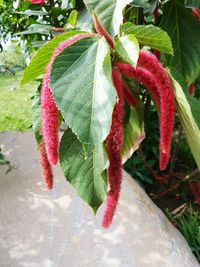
(56, 229)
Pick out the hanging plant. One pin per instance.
(93, 81)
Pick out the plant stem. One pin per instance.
(57, 29)
(178, 184)
(147, 166)
(178, 139)
(140, 16)
(147, 106)
(54, 21)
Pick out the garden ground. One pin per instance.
(15, 101)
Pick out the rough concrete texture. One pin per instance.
(56, 229)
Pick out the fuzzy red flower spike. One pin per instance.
(167, 102)
(45, 167)
(130, 99)
(151, 73)
(114, 145)
(101, 30)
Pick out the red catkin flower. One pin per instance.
(130, 99)
(45, 167)
(49, 121)
(142, 76)
(114, 145)
(167, 101)
(37, 1)
(195, 13)
(49, 108)
(150, 81)
(156, 13)
(101, 30)
(191, 88)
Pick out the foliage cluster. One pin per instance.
(81, 80)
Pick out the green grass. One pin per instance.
(16, 103)
(188, 223)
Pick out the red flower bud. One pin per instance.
(156, 13)
(195, 12)
(37, 1)
(191, 88)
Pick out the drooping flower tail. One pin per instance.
(48, 105)
(101, 30)
(45, 167)
(142, 76)
(149, 80)
(167, 112)
(49, 121)
(114, 145)
(130, 99)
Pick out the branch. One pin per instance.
(57, 29)
(147, 166)
(54, 20)
(140, 16)
(178, 184)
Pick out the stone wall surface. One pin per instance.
(57, 229)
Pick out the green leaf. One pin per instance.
(184, 31)
(151, 36)
(133, 133)
(147, 5)
(82, 87)
(193, 3)
(64, 4)
(194, 102)
(85, 175)
(109, 12)
(128, 48)
(140, 3)
(36, 28)
(30, 12)
(188, 122)
(195, 108)
(42, 57)
(84, 20)
(36, 114)
(72, 18)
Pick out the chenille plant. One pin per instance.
(93, 81)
